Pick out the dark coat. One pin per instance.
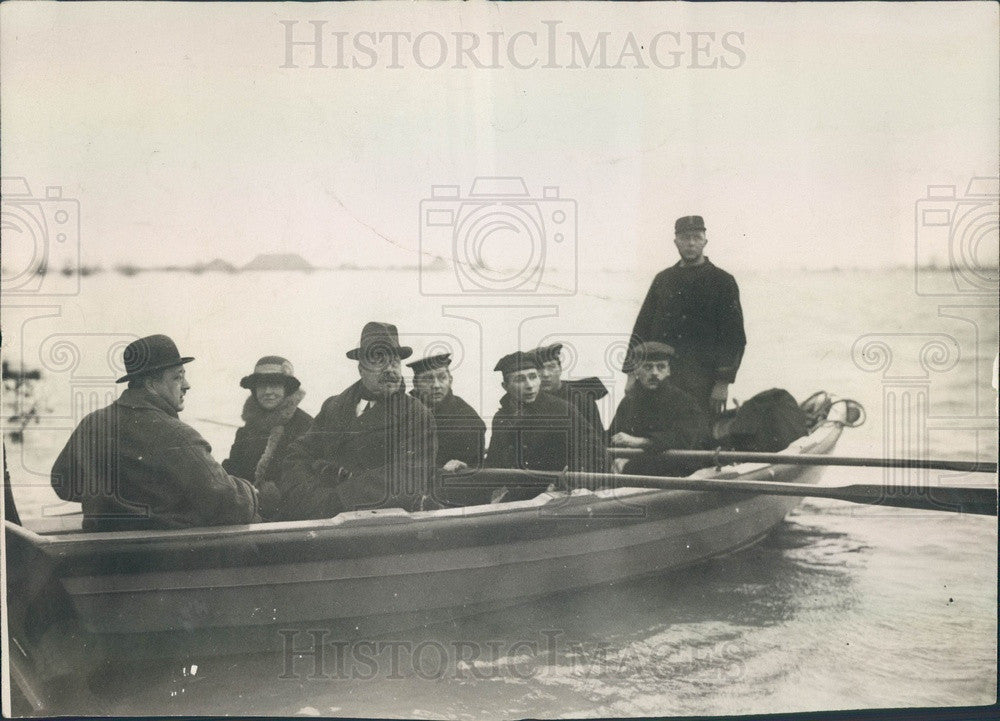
(461, 433)
(546, 435)
(668, 417)
(696, 310)
(134, 466)
(386, 456)
(262, 443)
(583, 395)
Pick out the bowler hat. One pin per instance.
(689, 223)
(517, 361)
(272, 368)
(379, 340)
(548, 352)
(149, 354)
(430, 363)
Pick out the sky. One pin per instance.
(809, 143)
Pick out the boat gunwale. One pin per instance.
(384, 519)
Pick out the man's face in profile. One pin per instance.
(170, 385)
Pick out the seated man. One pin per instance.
(656, 416)
(536, 431)
(461, 433)
(582, 394)
(134, 465)
(371, 446)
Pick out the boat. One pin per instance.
(74, 597)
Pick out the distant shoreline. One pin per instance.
(302, 266)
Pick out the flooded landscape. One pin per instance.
(868, 606)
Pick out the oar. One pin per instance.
(806, 459)
(980, 500)
(218, 423)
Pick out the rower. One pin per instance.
(537, 431)
(657, 416)
(582, 393)
(461, 432)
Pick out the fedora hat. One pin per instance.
(272, 368)
(149, 354)
(377, 341)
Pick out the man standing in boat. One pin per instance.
(461, 433)
(582, 393)
(135, 465)
(694, 307)
(657, 416)
(537, 431)
(371, 446)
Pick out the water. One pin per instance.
(843, 607)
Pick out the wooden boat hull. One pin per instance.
(243, 588)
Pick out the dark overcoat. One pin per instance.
(461, 433)
(135, 465)
(345, 462)
(261, 444)
(696, 310)
(546, 435)
(670, 419)
(583, 394)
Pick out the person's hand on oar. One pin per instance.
(625, 440)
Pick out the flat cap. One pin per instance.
(651, 351)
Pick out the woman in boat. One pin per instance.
(272, 420)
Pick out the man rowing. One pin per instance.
(582, 393)
(536, 431)
(694, 307)
(656, 416)
(370, 446)
(461, 433)
(135, 465)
